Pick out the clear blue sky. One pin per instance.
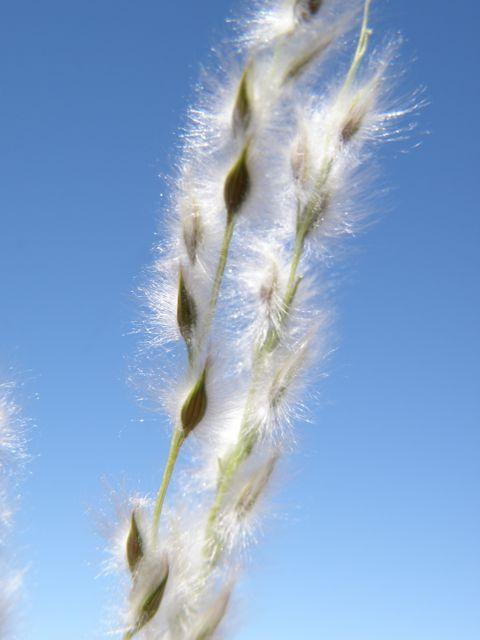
(378, 537)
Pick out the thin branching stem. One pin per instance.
(177, 440)
(220, 271)
(362, 45)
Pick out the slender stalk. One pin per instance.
(365, 33)
(178, 439)
(220, 271)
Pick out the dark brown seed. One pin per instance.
(186, 310)
(242, 111)
(134, 545)
(195, 406)
(314, 6)
(237, 185)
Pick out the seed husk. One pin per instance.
(300, 64)
(134, 545)
(351, 127)
(195, 406)
(152, 602)
(214, 618)
(192, 231)
(314, 213)
(186, 310)
(254, 488)
(242, 111)
(237, 185)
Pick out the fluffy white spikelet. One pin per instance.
(272, 156)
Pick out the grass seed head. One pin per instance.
(237, 185)
(192, 230)
(242, 112)
(135, 545)
(195, 406)
(186, 310)
(151, 604)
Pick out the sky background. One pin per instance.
(378, 527)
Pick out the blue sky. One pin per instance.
(377, 535)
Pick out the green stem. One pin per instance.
(217, 281)
(365, 33)
(178, 439)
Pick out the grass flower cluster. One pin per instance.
(268, 180)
